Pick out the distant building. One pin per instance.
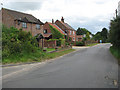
(119, 8)
(79, 38)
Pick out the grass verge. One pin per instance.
(93, 44)
(50, 49)
(34, 57)
(116, 52)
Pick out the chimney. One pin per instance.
(53, 21)
(62, 19)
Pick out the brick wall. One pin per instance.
(8, 21)
(79, 37)
(30, 28)
(50, 44)
(47, 27)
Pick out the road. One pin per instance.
(92, 67)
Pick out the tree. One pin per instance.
(88, 36)
(114, 34)
(82, 31)
(103, 35)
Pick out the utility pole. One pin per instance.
(116, 12)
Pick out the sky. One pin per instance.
(90, 14)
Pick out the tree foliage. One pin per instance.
(82, 31)
(114, 35)
(16, 41)
(103, 35)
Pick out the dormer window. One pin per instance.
(37, 26)
(24, 25)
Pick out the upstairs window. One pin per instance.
(73, 32)
(37, 26)
(45, 31)
(70, 33)
(24, 25)
(73, 39)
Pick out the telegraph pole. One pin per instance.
(116, 12)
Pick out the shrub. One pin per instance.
(16, 41)
(79, 43)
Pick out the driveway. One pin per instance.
(92, 67)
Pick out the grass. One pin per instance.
(34, 57)
(93, 44)
(116, 52)
(50, 49)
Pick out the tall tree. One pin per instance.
(114, 35)
(88, 36)
(82, 31)
(104, 34)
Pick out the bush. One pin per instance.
(79, 43)
(16, 41)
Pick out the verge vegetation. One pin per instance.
(114, 37)
(19, 46)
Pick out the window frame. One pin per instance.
(38, 26)
(24, 25)
(73, 38)
(45, 31)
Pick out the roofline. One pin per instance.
(24, 13)
(65, 25)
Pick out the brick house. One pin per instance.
(67, 29)
(79, 38)
(19, 20)
(47, 32)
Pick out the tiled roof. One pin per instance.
(59, 29)
(23, 16)
(67, 26)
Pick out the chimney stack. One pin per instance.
(53, 21)
(62, 19)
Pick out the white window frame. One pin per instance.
(73, 38)
(73, 32)
(45, 31)
(70, 32)
(37, 26)
(24, 25)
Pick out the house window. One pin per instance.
(76, 39)
(37, 26)
(70, 33)
(45, 31)
(18, 22)
(73, 32)
(24, 25)
(73, 39)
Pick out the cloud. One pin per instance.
(23, 6)
(91, 14)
